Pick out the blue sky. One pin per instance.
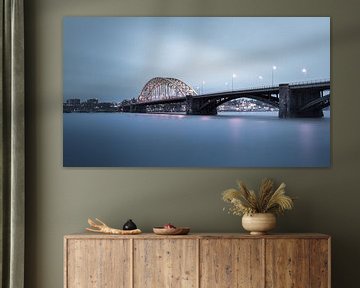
(111, 58)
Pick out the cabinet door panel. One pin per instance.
(319, 263)
(231, 263)
(287, 263)
(98, 263)
(165, 263)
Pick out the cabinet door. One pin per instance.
(98, 263)
(287, 263)
(165, 263)
(297, 263)
(231, 263)
(320, 263)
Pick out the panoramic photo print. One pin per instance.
(196, 92)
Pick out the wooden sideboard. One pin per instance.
(197, 260)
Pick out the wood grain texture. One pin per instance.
(165, 263)
(66, 262)
(287, 263)
(197, 260)
(98, 263)
(88, 235)
(231, 263)
(319, 263)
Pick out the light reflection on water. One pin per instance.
(252, 139)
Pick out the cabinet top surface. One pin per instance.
(87, 235)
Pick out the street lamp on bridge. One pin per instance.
(272, 75)
(304, 71)
(260, 78)
(202, 86)
(232, 81)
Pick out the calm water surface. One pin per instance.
(251, 139)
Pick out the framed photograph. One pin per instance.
(196, 92)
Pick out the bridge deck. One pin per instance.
(269, 90)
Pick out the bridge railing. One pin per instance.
(308, 82)
(242, 89)
(298, 83)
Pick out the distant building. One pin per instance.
(89, 106)
(71, 105)
(92, 101)
(73, 102)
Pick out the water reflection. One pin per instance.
(176, 140)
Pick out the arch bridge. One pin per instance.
(164, 88)
(305, 99)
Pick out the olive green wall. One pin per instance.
(59, 200)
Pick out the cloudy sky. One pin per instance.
(111, 58)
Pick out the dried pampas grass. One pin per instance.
(245, 201)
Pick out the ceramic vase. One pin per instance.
(259, 223)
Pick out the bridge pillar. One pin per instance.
(284, 101)
(135, 108)
(196, 106)
(125, 108)
(292, 99)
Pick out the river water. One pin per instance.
(238, 139)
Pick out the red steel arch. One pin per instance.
(160, 88)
